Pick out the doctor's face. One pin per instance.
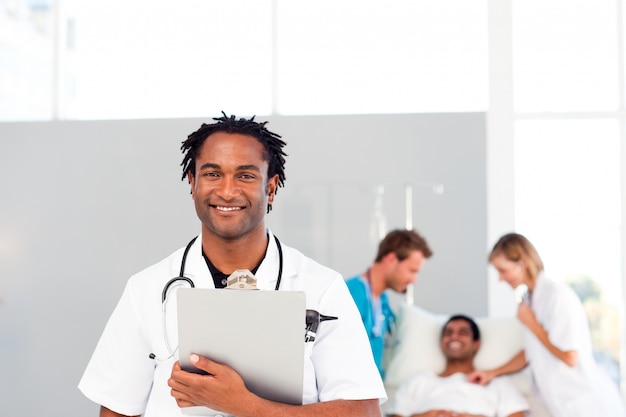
(402, 273)
(230, 187)
(511, 272)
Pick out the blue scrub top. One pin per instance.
(377, 316)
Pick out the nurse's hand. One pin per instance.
(223, 389)
(527, 317)
(480, 377)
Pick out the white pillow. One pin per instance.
(416, 346)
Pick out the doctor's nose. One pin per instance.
(228, 188)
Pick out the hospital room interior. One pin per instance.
(463, 120)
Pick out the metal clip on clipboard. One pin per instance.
(241, 279)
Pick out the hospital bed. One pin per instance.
(415, 347)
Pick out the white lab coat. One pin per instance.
(580, 391)
(121, 376)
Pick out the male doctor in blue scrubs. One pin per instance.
(400, 257)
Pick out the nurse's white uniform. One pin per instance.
(580, 391)
(120, 375)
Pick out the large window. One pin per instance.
(568, 204)
(193, 58)
(27, 66)
(381, 57)
(565, 55)
(569, 124)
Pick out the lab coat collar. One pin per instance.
(266, 275)
(540, 286)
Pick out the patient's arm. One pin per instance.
(446, 413)
(527, 317)
(517, 363)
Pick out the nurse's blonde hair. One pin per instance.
(516, 247)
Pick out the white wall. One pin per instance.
(83, 205)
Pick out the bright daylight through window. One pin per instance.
(568, 134)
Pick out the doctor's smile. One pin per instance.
(225, 208)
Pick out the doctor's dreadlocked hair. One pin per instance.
(272, 143)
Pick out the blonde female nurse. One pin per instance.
(557, 343)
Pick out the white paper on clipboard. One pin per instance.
(258, 333)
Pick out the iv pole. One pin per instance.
(408, 219)
(408, 224)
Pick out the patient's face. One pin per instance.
(509, 271)
(457, 341)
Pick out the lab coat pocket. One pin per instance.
(584, 405)
(309, 388)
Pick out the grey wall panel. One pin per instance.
(334, 168)
(83, 205)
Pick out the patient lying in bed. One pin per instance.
(448, 393)
(417, 351)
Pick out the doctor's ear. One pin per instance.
(271, 192)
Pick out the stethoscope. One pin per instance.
(181, 277)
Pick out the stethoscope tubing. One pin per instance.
(181, 277)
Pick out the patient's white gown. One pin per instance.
(584, 390)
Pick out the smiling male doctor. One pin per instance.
(234, 167)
